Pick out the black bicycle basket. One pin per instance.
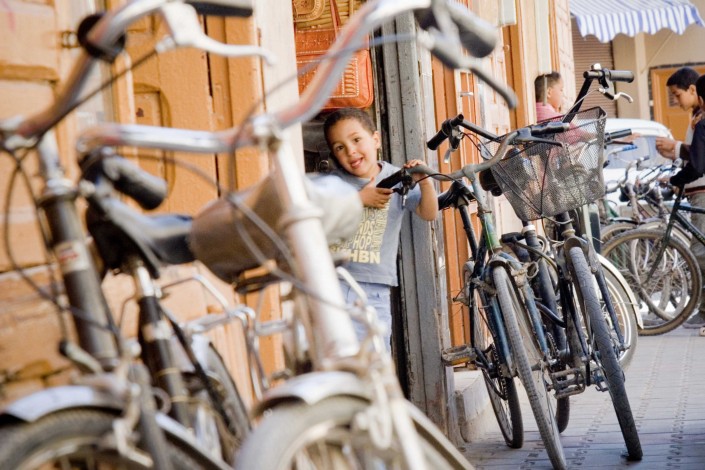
(542, 180)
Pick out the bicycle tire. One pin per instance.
(531, 371)
(502, 390)
(562, 413)
(672, 292)
(614, 229)
(73, 436)
(625, 308)
(609, 231)
(606, 355)
(232, 403)
(321, 436)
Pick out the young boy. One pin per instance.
(549, 95)
(681, 84)
(691, 177)
(354, 142)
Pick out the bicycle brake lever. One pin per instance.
(185, 31)
(616, 97)
(524, 137)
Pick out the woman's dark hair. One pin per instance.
(348, 113)
(543, 83)
(700, 86)
(683, 78)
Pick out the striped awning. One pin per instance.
(608, 18)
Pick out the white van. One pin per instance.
(643, 146)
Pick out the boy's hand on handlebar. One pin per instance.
(413, 163)
(371, 196)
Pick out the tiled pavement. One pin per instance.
(666, 388)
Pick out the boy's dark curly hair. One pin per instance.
(683, 78)
(348, 113)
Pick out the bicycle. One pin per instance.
(583, 339)
(592, 330)
(496, 295)
(661, 269)
(347, 389)
(109, 416)
(647, 202)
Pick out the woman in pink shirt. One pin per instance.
(549, 95)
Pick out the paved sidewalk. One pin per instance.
(666, 387)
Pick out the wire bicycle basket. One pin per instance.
(542, 180)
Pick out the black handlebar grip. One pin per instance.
(445, 132)
(621, 75)
(548, 128)
(229, 8)
(477, 36)
(610, 136)
(436, 140)
(391, 180)
(144, 188)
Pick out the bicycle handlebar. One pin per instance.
(147, 190)
(468, 171)
(524, 135)
(611, 75)
(446, 129)
(369, 17)
(225, 8)
(477, 36)
(444, 43)
(604, 77)
(105, 34)
(612, 136)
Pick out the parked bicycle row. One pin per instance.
(656, 240)
(543, 308)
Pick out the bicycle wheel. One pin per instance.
(668, 291)
(77, 438)
(223, 438)
(609, 231)
(625, 307)
(530, 365)
(322, 436)
(501, 389)
(604, 349)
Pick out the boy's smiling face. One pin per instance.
(355, 147)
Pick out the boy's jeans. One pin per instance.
(379, 297)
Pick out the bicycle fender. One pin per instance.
(312, 388)
(186, 439)
(37, 405)
(613, 220)
(429, 432)
(615, 272)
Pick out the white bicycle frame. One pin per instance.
(335, 345)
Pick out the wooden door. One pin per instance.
(666, 108)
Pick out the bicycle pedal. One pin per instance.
(568, 382)
(458, 355)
